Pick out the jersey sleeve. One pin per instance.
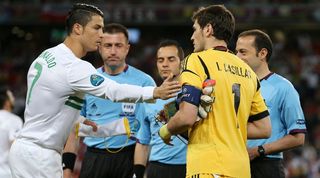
(84, 77)
(190, 74)
(259, 109)
(83, 111)
(291, 112)
(144, 133)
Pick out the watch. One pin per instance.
(261, 151)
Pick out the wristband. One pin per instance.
(138, 170)
(164, 132)
(68, 160)
(261, 151)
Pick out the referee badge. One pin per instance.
(96, 80)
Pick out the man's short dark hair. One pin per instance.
(168, 42)
(220, 18)
(81, 13)
(262, 40)
(113, 28)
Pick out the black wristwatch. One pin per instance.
(261, 151)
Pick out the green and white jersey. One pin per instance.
(57, 82)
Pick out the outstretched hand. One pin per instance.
(168, 89)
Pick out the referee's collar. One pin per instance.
(267, 76)
(124, 70)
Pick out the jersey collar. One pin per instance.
(124, 70)
(267, 76)
(222, 48)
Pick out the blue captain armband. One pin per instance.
(189, 94)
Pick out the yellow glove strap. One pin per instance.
(164, 132)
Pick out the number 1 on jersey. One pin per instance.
(236, 91)
(38, 67)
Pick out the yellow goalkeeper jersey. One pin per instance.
(217, 144)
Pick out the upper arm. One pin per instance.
(259, 128)
(190, 74)
(83, 77)
(144, 133)
(258, 106)
(292, 113)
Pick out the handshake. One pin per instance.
(206, 100)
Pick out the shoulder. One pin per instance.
(140, 75)
(81, 65)
(280, 81)
(190, 60)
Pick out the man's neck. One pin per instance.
(114, 70)
(214, 42)
(262, 71)
(75, 47)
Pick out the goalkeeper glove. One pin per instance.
(206, 99)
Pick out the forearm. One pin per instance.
(183, 119)
(69, 155)
(140, 159)
(72, 144)
(286, 143)
(141, 154)
(130, 93)
(177, 124)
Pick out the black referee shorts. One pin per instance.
(267, 168)
(100, 163)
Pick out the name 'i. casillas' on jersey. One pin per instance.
(235, 70)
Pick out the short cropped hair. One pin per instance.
(113, 28)
(168, 42)
(262, 40)
(220, 18)
(81, 13)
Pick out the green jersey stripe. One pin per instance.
(75, 106)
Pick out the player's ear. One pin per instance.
(263, 53)
(77, 28)
(208, 30)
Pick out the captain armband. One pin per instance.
(190, 94)
(68, 160)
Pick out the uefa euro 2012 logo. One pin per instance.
(135, 128)
(96, 80)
